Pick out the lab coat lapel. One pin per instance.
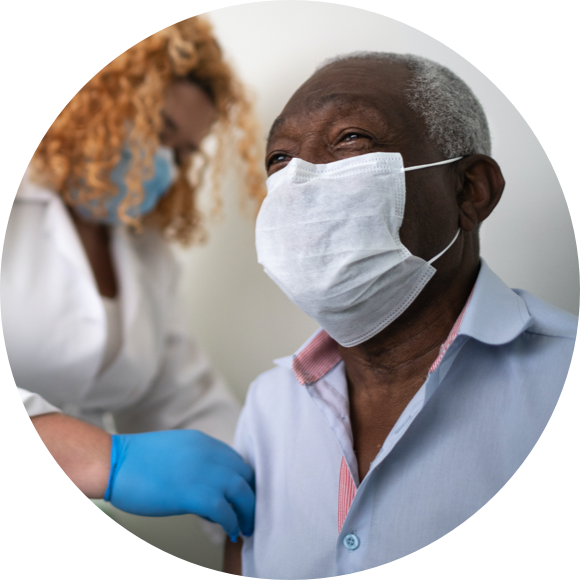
(130, 276)
(60, 229)
(135, 365)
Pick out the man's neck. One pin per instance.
(385, 372)
(407, 345)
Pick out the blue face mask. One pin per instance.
(165, 174)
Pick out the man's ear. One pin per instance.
(481, 184)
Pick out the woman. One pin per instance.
(89, 309)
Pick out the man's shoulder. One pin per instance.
(547, 319)
(275, 382)
(268, 411)
(498, 314)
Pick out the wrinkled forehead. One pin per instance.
(375, 87)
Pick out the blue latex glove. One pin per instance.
(168, 473)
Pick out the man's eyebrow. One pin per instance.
(278, 122)
(365, 102)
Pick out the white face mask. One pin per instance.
(328, 235)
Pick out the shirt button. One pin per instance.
(351, 542)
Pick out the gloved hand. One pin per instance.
(177, 472)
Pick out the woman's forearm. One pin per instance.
(82, 450)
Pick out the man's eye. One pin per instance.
(277, 158)
(352, 137)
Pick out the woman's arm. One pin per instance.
(82, 451)
(163, 473)
(233, 557)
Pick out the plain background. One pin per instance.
(238, 314)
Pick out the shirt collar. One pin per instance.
(316, 358)
(30, 190)
(494, 315)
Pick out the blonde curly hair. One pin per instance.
(120, 108)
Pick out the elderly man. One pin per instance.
(430, 380)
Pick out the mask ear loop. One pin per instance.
(444, 162)
(441, 253)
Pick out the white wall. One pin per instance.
(236, 311)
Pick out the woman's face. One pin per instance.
(188, 115)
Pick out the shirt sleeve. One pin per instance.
(244, 445)
(243, 440)
(35, 404)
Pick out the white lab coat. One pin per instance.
(55, 328)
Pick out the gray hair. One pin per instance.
(453, 116)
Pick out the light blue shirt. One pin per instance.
(464, 434)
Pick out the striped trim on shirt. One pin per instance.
(316, 359)
(346, 491)
(452, 336)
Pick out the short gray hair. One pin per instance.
(453, 116)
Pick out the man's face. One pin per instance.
(356, 107)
